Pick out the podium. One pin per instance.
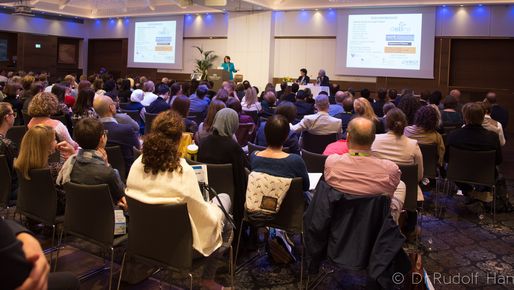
(217, 76)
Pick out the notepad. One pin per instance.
(314, 179)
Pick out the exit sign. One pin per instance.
(38, 45)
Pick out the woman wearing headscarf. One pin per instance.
(135, 105)
(220, 147)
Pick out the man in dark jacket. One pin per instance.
(161, 103)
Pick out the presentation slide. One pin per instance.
(386, 42)
(390, 41)
(156, 43)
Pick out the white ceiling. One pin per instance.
(122, 8)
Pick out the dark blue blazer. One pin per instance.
(125, 137)
(157, 106)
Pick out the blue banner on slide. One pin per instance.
(163, 40)
(399, 43)
(399, 37)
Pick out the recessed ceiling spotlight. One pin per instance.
(461, 5)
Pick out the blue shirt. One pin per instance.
(335, 109)
(198, 105)
(290, 167)
(157, 106)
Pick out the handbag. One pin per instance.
(212, 192)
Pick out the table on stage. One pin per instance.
(314, 89)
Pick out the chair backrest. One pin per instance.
(148, 121)
(89, 213)
(37, 197)
(16, 134)
(290, 215)
(317, 143)
(134, 114)
(5, 187)
(115, 157)
(410, 178)
(220, 177)
(475, 167)
(137, 153)
(314, 162)
(253, 114)
(430, 159)
(123, 106)
(155, 238)
(244, 133)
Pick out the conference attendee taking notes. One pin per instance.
(229, 66)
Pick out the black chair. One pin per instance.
(37, 199)
(254, 147)
(314, 162)
(474, 167)
(317, 143)
(16, 134)
(123, 106)
(244, 133)
(254, 115)
(134, 114)
(198, 117)
(430, 159)
(410, 178)
(220, 177)
(5, 187)
(148, 121)
(289, 218)
(115, 157)
(154, 240)
(89, 216)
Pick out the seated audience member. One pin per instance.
(175, 90)
(303, 79)
(35, 88)
(288, 110)
(36, 146)
(222, 96)
(363, 109)
(110, 89)
(199, 100)
(320, 123)
(43, 106)
(83, 107)
(435, 98)
(347, 115)
(63, 107)
(302, 106)
(26, 83)
(120, 117)
(360, 173)
(160, 176)
(7, 147)
(409, 106)
(235, 105)
(23, 262)
(498, 113)
(424, 130)
(268, 104)
(90, 166)
(204, 129)
(181, 106)
(268, 88)
(230, 87)
(337, 108)
(491, 124)
(160, 104)
(124, 92)
(250, 102)
(322, 79)
(381, 100)
(339, 147)
(473, 136)
(135, 105)
(366, 94)
(424, 97)
(391, 95)
(288, 95)
(149, 97)
(449, 115)
(118, 134)
(220, 147)
(11, 92)
(283, 88)
(240, 91)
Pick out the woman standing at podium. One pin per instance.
(229, 66)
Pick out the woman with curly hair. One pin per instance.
(424, 130)
(364, 109)
(409, 105)
(43, 106)
(160, 176)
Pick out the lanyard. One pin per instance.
(363, 154)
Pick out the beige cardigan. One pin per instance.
(173, 188)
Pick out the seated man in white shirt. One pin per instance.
(149, 97)
(320, 123)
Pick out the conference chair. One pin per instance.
(155, 240)
(254, 115)
(198, 117)
(244, 133)
(37, 200)
(289, 218)
(315, 163)
(430, 162)
(5, 187)
(16, 134)
(148, 121)
(474, 167)
(123, 106)
(253, 147)
(134, 114)
(317, 143)
(89, 215)
(220, 177)
(115, 157)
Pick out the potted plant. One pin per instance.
(205, 62)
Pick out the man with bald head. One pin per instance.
(337, 108)
(360, 173)
(498, 113)
(320, 123)
(117, 134)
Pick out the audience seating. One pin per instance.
(317, 143)
(198, 117)
(89, 216)
(220, 177)
(315, 163)
(254, 115)
(253, 147)
(37, 199)
(115, 157)
(148, 121)
(154, 240)
(123, 106)
(289, 218)
(134, 114)
(430, 159)
(244, 133)
(474, 167)
(410, 178)
(5, 187)
(16, 134)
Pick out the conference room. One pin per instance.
(256, 144)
